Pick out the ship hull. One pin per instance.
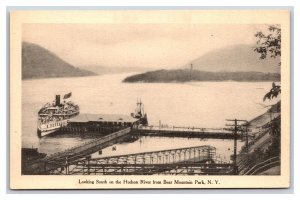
(42, 133)
(46, 129)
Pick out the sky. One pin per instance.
(136, 45)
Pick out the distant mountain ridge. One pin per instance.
(38, 62)
(115, 70)
(235, 58)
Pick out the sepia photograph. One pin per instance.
(150, 99)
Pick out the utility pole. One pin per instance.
(247, 139)
(88, 164)
(67, 166)
(237, 127)
(191, 71)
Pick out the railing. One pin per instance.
(157, 160)
(180, 129)
(88, 145)
(181, 154)
(151, 169)
(272, 162)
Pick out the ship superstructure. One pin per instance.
(140, 113)
(55, 115)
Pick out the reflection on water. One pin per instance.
(197, 104)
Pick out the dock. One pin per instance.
(190, 160)
(123, 130)
(190, 132)
(40, 166)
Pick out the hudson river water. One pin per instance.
(194, 104)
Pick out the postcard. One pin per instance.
(149, 99)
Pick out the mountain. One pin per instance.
(235, 58)
(115, 70)
(185, 75)
(38, 62)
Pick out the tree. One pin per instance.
(274, 92)
(269, 44)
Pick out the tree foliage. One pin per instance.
(269, 43)
(274, 92)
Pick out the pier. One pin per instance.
(40, 166)
(77, 160)
(191, 160)
(191, 132)
(87, 148)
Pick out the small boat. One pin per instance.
(53, 116)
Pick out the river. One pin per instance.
(194, 104)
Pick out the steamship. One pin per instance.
(53, 116)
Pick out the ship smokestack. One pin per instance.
(57, 100)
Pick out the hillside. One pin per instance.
(184, 75)
(115, 70)
(235, 58)
(38, 62)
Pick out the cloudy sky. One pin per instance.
(136, 45)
